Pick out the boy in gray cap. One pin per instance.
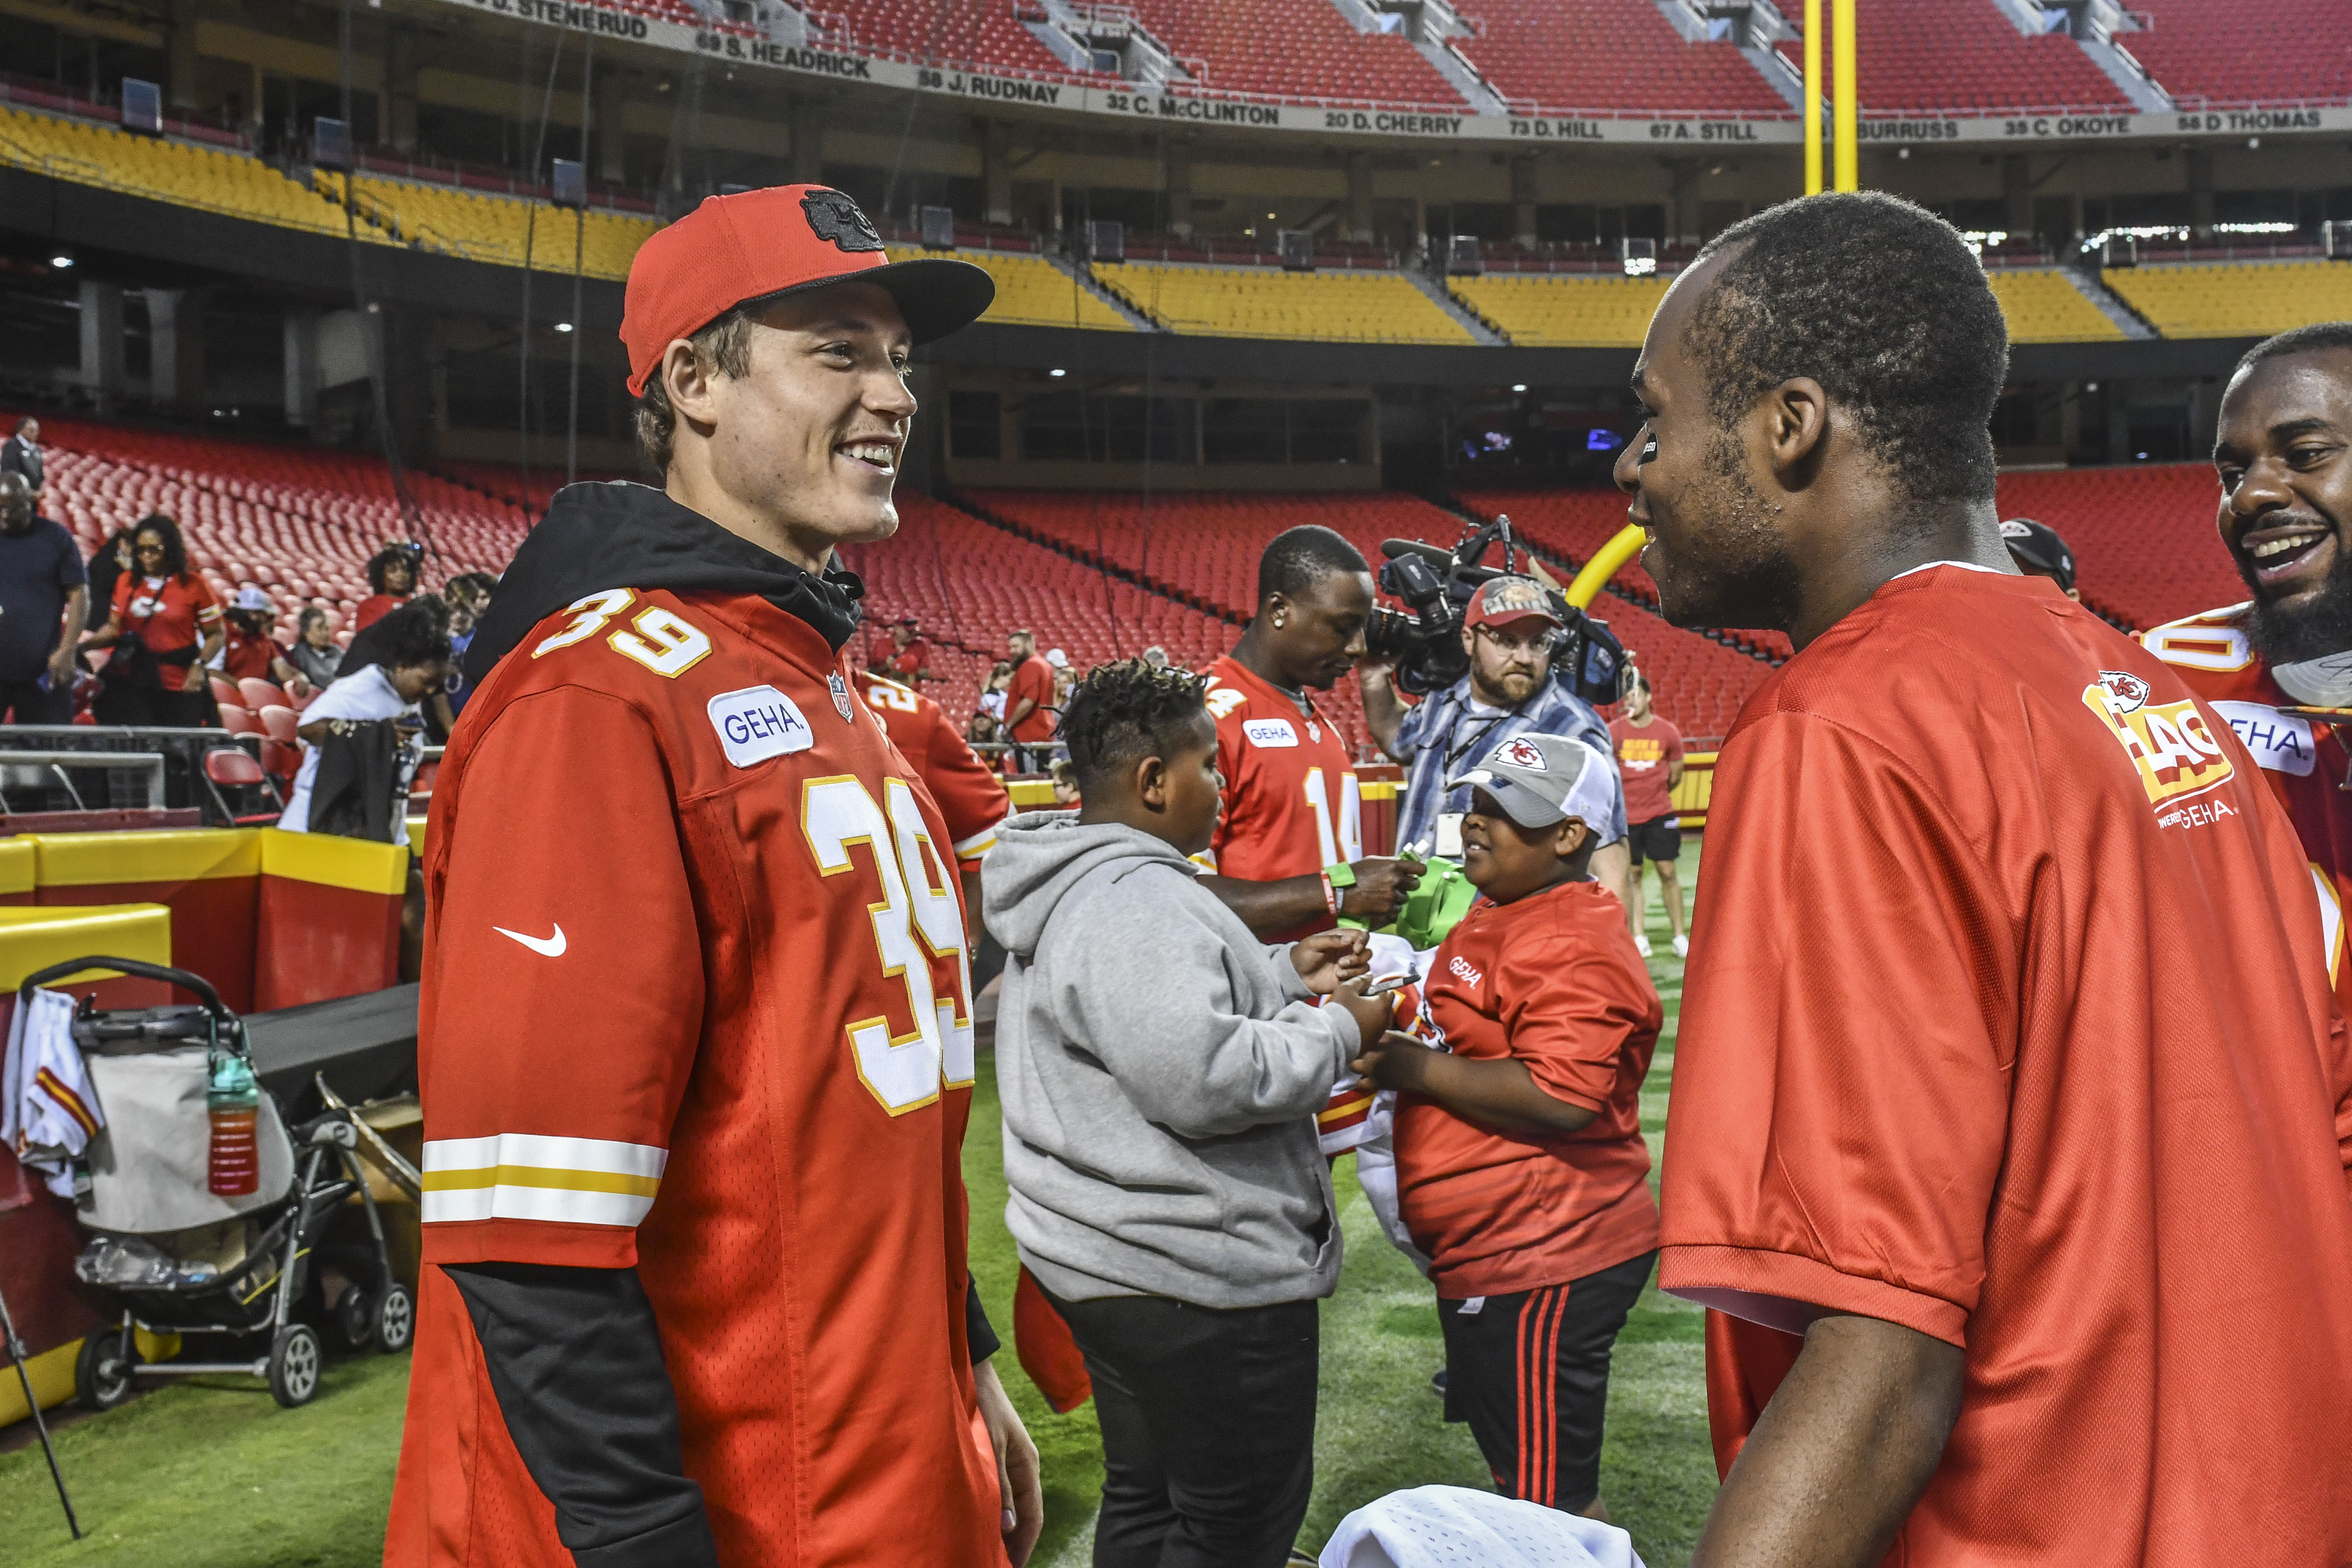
(1521, 1170)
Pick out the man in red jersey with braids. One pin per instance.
(695, 1041)
(2279, 666)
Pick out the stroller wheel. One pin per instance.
(294, 1360)
(395, 1321)
(102, 1370)
(355, 1312)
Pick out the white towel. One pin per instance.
(1447, 1527)
(49, 1112)
(1352, 1116)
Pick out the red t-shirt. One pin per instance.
(708, 1016)
(2305, 763)
(1553, 979)
(909, 661)
(374, 608)
(247, 655)
(1032, 678)
(1291, 804)
(2007, 1020)
(969, 797)
(1646, 755)
(169, 613)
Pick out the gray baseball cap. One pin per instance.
(1539, 780)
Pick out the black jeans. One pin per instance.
(1208, 1428)
(27, 702)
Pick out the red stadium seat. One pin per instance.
(280, 761)
(260, 693)
(240, 721)
(233, 767)
(226, 691)
(281, 723)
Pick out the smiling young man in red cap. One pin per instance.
(694, 1042)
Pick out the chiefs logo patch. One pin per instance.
(2170, 745)
(1522, 754)
(832, 216)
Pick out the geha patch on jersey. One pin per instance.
(757, 723)
(1269, 732)
(2168, 743)
(2280, 742)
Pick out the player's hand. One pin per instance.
(61, 670)
(198, 679)
(1372, 1014)
(1394, 1060)
(1327, 958)
(1017, 1481)
(1380, 891)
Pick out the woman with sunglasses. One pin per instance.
(165, 630)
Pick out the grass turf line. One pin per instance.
(212, 1474)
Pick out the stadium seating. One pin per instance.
(1565, 311)
(945, 32)
(298, 521)
(500, 229)
(2044, 307)
(1624, 59)
(1965, 56)
(2222, 54)
(1301, 50)
(180, 173)
(1031, 291)
(1256, 302)
(2241, 300)
(2143, 537)
(970, 583)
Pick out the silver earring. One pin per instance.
(1278, 623)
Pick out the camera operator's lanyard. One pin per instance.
(1448, 842)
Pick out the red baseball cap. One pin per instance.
(780, 240)
(1500, 599)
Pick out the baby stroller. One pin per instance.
(183, 1260)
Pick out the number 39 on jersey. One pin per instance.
(919, 919)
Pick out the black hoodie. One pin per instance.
(624, 535)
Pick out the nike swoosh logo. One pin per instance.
(545, 946)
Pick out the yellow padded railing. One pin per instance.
(1031, 291)
(1564, 312)
(1259, 302)
(175, 172)
(2043, 307)
(496, 228)
(2236, 300)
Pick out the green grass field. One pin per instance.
(213, 1475)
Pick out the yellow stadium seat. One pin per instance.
(1564, 310)
(2044, 307)
(1260, 302)
(497, 229)
(181, 172)
(1031, 291)
(2236, 300)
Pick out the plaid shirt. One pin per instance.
(1440, 737)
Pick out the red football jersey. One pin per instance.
(2308, 763)
(2006, 1020)
(696, 998)
(1553, 980)
(969, 796)
(1291, 803)
(1032, 678)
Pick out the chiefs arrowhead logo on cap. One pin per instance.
(832, 216)
(1522, 754)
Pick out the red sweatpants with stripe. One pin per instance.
(1529, 1373)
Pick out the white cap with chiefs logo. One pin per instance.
(1542, 779)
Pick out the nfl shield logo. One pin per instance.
(840, 696)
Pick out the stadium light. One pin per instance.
(1518, 386)
(563, 326)
(1057, 373)
(61, 261)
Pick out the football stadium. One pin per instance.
(581, 580)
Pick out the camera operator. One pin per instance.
(1510, 631)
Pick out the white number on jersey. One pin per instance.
(1343, 843)
(889, 694)
(1223, 699)
(2194, 646)
(668, 647)
(589, 616)
(906, 1071)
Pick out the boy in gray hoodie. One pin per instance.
(1160, 1070)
